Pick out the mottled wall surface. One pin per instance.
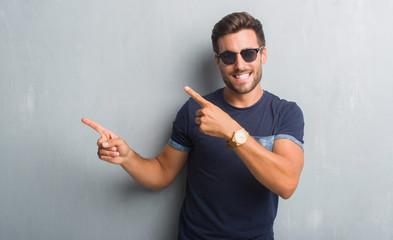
(124, 64)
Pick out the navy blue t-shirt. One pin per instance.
(223, 199)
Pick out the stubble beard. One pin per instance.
(256, 80)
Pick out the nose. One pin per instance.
(239, 63)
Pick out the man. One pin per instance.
(233, 180)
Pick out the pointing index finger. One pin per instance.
(197, 97)
(101, 130)
(93, 125)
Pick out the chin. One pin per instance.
(245, 88)
(241, 90)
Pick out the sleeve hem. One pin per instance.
(293, 139)
(178, 146)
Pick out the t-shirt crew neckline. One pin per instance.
(221, 93)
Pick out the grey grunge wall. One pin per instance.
(124, 64)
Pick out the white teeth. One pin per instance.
(242, 76)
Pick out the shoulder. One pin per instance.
(281, 106)
(289, 117)
(287, 113)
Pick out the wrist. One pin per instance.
(128, 157)
(231, 130)
(239, 137)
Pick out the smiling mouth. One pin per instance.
(242, 76)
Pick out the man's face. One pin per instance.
(242, 77)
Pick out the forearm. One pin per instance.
(146, 171)
(276, 172)
(155, 173)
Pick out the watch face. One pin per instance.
(241, 136)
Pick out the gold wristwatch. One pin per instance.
(239, 137)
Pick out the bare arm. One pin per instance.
(278, 170)
(154, 173)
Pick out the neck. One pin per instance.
(243, 100)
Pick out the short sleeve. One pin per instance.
(180, 130)
(292, 122)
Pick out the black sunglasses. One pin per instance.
(229, 58)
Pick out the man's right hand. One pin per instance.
(111, 148)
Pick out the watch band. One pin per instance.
(231, 144)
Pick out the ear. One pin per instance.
(217, 61)
(264, 55)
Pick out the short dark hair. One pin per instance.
(233, 23)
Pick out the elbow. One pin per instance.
(156, 184)
(157, 187)
(286, 195)
(288, 190)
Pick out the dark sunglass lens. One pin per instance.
(228, 58)
(249, 55)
